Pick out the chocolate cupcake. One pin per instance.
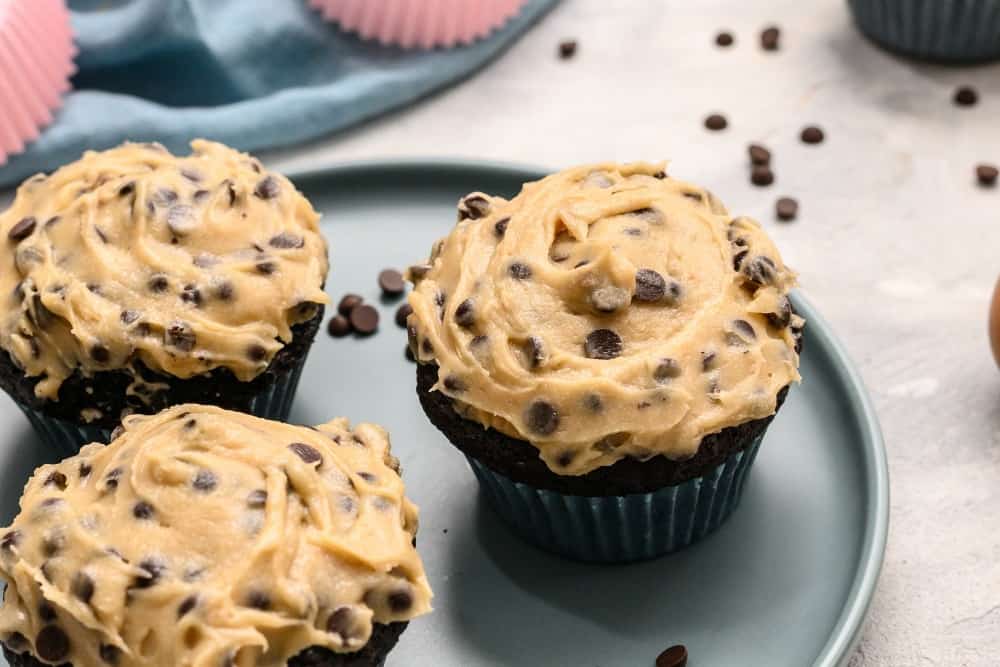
(607, 349)
(202, 536)
(133, 280)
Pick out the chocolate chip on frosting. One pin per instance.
(603, 344)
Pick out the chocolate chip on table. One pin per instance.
(770, 38)
(567, 49)
(22, 229)
(542, 417)
(364, 319)
(473, 207)
(267, 188)
(519, 271)
(986, 174)
(307, 453)
(966, 96)
(348, 303)
(143, 511)
(786, 208)
(286, 240)
(650, 286)
(500, 227)
(667, 369)
(602, 344)
(724, 38)
(761, 175)
(716, 122)
(52, 644)
(205, 481)
(391, 281)
(109, 653)
(812, 135)
(465, 314)
(338, 326)
(82, 586)
(759, 155)
(675, 656)
(402, 313)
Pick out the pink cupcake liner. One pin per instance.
(422, 24)
(36, 62)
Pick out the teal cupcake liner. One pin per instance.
(940, 30)
(618, 529)
(274, 402)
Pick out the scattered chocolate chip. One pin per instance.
(716, 122)
(181, 336)
(769, 38)
(761, 175)
(454, 384)
(143, 510)
(82, 586)
(565, 458)
(338, 326)
(542, 417)
(673, 293)
(364, 319)
(519, 271)
(812, 135)
(128, 316)
(759, 155)
(267, 268)
(786, 208)
(286, 240)
(158, 283)
(632, 231)
(400, 601)
(427, 347)
(966, 96)
(205, 481)
(257, 498)
(100, 234)
(267, 188)
(760, 270)
(675, 656)
(649, 285)
(191, 294)
(111, 479)
(348, 303)
(602, 344)
(500, 226)
(738, 259)
(259, 600)
(402, 313)
(10, 540)
(666, 370)
(648, 215)
(100, 354)
(127, 189)
(465, 314)
(152, 570)
(783, 317)
(593, 403)
(567, 49)
(22, 230)
(986, 174)
(56, 479)
(224, 291)
(52, 644)
(307, 453)
(724, 39)
(391, 281)
(660, 175)
(473, 207)
(85, 468)
(187, 605)
(743, 331)
(47, 612)
(109, 654)
(609, 299)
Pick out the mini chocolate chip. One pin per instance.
(111, 479)
(82, 586)
(181, 336)
(402, 313)
(565, 458)
(649, 285)
(716, 122)
(500, 226)
(465, 315)
(100, 234)
(231, 190)
(519, 271)
(10, 540)
(966, 96)
(567, 49)
(660, 175)
(602, 344)
(987, 174)
(408, 353)
(153, 569)
(769, 38)
(760, 270)
(759, 155)
(649, 215)
(666, 370)
(143, 511)
(188, 604)
(256, 353)
(191, 175)
(158, 283)
(542, 417)
(109, 654)
(427, 347)
(267, 188)
(191, 294)
(266, 268)
(190, 424)
(708, 360)
(675, 656)
(536, 351)
(457, 385)
(786, 208)
(47, 612)
(742, 332)
(22, 229)
(52, 644)
(391, 281)
(164, 196)
(306, 452)
(593, 403)
(16, 641)
(783, 317)
(473, 207)
(257, 498)
(812, 135)
(738, 259)
(338, 326)
(86, 469)
(419, 271)
(127, 189)
(724, 39)
(224, 291)
(286, 240)
(56, 478)
(259, 600)
(129, 316)
(364, 319)
(632, 231)
(200, 196)
(100, 354)
(609, 299)
(400, 601)
(94, 287)
(205, 480)
(761, 175)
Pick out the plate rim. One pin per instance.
(847, 631)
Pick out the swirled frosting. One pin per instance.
(184, 263)
(201, 537)
(606, 312)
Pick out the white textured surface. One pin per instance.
(895, 243)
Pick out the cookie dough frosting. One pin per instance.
(185, 263)
(201, 537)
(605, 312)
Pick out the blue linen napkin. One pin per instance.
(250, 73)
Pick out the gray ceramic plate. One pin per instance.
(786, 581)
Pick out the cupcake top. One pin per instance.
(183, 263)
(205, 537)
(605, 312)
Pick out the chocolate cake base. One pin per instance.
(372, 654)
(106, 391)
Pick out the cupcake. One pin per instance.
(940, 30)
(133, 280)
(607, 349)
(205, 537)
